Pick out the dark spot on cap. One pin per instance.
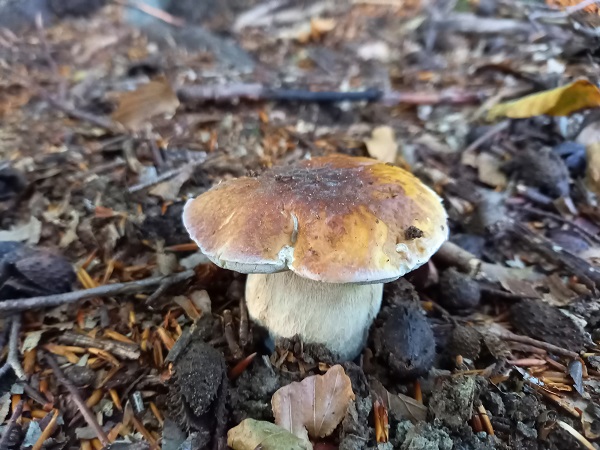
(412, 232)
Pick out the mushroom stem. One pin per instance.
(335, 315)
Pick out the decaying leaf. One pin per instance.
(561, 101)
(315, 406)
(488, 169)
(252, 434)
(400, 406)
(148, 100)
(382, 144)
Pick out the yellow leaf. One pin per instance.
(562, 101)
(148, 100)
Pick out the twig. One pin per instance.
(120, 349)
(98, 121)
(453, 255)
(12, 360)
(5, 439)
(244, 329)
(255, 91)
(162, 177)
(154, 12)
(493, 131)
(576, 434)
(107, 290)
(234, 347)
(83, 408)
(541, 213)
(509, 336)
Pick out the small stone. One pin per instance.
(452, 401)
(464, 341)
(80, 376)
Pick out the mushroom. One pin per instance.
(318, 239)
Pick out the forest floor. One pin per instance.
(117, 331)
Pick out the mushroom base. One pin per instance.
(337, 316)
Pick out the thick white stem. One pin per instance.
(335, 315)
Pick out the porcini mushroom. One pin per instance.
(318, 240)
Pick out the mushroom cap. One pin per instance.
(336, 218)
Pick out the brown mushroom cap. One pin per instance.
(337, 219)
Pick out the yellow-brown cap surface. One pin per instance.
(337, 218)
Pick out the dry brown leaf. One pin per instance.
(561, 101)
(315, 406)
(400, 406)
(382, 144)
(148, 100)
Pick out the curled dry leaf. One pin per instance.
(252, 434)
(382, 144)
(561, 101)
(148, 100)
(315, 406)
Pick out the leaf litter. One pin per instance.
(174, 360)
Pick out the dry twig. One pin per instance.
(12, 360)
(120, 349)
(88, 415)
(107, 290)
(5, 439)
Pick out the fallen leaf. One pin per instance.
(29, 232)
(252, 434)
(488, 170)
(382, 144)
(400, 406)
(151, 99)
(561, 101)
(592, 171)
(169, 190)
(576, 374)
(315, 406)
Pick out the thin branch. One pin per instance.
(154, 12)
(5, 439)
(88, 415)
(509, 336)
(12, 359)
(84, 116)
(255, 91)
(120, 349)
(107, 290)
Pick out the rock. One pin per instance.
(458, 291)
(423, 436)
(539, 320)
(452, 401)
(404, 340)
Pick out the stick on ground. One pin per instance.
(107, 290)
(88, 415)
